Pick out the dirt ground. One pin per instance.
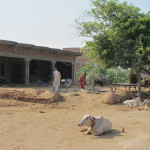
(32, 126)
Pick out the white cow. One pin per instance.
(92, 81)
(132, 102)
(97, 125)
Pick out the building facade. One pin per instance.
(80, 60)
(26, 63)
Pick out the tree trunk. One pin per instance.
(139, 85)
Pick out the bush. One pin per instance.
(115, 75)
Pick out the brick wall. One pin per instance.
(80, 60)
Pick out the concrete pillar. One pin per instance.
(27, 71)
(73, 73)
(53, 68)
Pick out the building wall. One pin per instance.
(31, 52)
(80, 60)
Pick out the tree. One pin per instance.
(120, 35)
(92, 69)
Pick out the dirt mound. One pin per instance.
(111, 98)
(57, 97)
(125, 96)
(31, 95)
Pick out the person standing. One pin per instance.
(82, 80)
(57, 78)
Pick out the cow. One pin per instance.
(132, 102)
(93, 81)
(96, 125)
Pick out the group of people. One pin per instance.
(57, 80)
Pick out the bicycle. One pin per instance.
(63, 86)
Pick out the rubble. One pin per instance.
(31, 95)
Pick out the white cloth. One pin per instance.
(55, 87)
(57, 78)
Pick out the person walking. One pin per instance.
(57, 78)
(82, 80)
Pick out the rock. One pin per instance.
(57, 97)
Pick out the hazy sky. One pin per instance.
(46, 22)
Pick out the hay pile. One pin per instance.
(31, 95)
(111, 98)
(125, 96)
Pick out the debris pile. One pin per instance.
(31, 95)
(111, 98)
(125, 95)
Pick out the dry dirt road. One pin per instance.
(29, 126)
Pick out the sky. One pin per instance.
(49, 23)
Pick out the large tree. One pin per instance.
(120, 35)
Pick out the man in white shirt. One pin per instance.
(57, 78)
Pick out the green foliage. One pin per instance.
(91, 69)
(115, 75)
(120, 35)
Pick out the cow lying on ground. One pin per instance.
(97, 125)
(132, 102)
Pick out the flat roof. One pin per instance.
(30, 46)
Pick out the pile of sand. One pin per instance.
(31, 95)
(113, 98)
(125, 96)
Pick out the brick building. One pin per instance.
(26, 63)
(80, 60)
